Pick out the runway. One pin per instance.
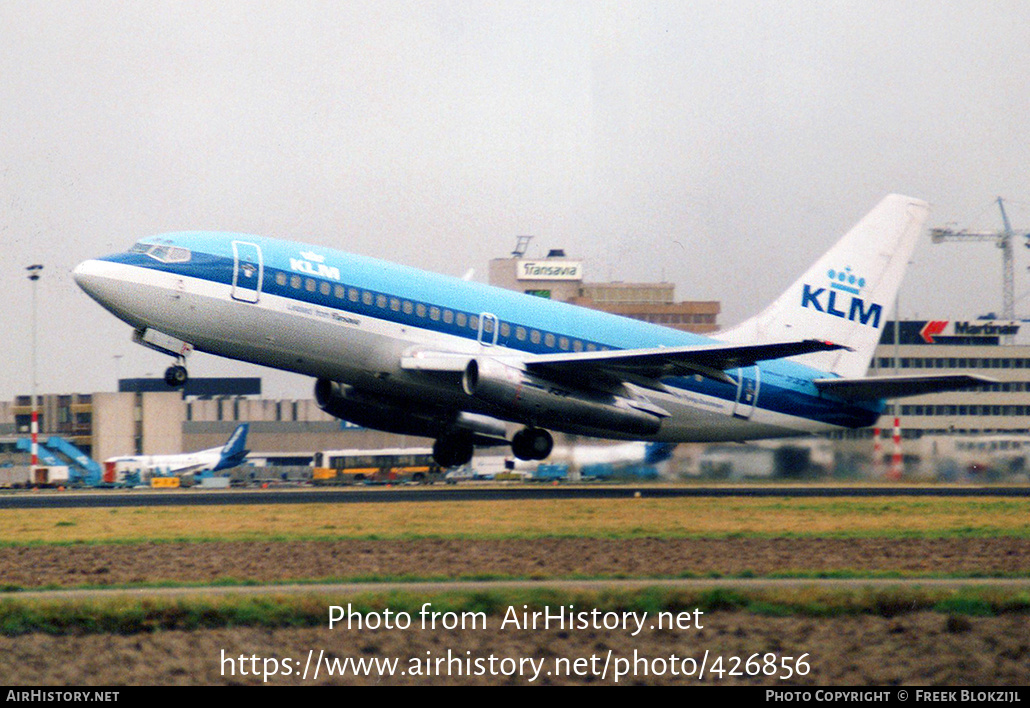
(50, 499)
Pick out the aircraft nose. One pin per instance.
(87, 275)
(106, 282)
(100, 279)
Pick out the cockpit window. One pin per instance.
(164, 252)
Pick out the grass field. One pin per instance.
(130, 615)
(849, 633)
(617, 518)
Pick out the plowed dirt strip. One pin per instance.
(920, 649)
(38, 566)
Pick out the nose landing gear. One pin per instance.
(176, 376)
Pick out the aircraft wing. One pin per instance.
(710, 360)
(875, 387)
(187, 468)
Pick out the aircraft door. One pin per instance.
(247, 272)
(748, 384)
(487, 329)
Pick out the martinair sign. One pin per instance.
(946, 329)
(550, 269)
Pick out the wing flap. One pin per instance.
(877, 387)
(654, 363)
(710, 360)
(188, 468)
(440, 362)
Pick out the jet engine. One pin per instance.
(403, 417)
(527, 397)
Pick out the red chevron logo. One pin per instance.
(931, 329)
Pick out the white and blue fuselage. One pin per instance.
(351, 319)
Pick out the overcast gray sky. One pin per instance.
(432, 133)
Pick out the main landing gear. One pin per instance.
(455, 449)
(532, 444)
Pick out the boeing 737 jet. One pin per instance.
(408, 351)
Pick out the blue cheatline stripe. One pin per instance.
(211, 259)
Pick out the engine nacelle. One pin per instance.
(397, 416)
(542, 402)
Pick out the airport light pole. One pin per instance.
(35, 271)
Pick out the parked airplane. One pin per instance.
(627, 453)
(408, 351)
(213, 460)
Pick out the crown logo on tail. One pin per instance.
(846, 280)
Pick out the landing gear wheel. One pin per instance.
(453, 450)
(532, 444)
(176, 376)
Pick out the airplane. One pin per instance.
(627, 453)
(214, 459)
(576, 456)
(407, 351)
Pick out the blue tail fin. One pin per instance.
(658, 452)
(235, 449)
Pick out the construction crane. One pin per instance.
(1004, 241)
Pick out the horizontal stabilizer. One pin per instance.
(877, 387)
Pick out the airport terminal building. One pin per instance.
(144, 417)
(997, 349)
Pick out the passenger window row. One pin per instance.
(435, 314)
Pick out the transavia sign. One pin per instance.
(974, 328)
(550, 269)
